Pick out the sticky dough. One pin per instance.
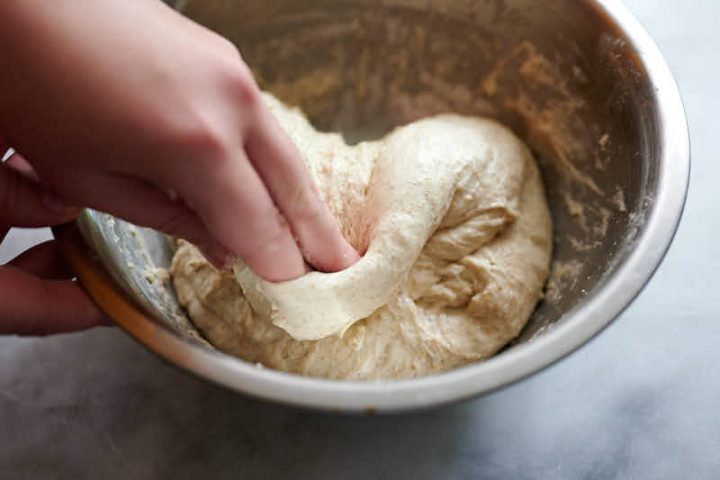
(453, 218)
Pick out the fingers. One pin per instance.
(44, 260)
(32, 306)
(238, 210)
(25, 203)
(142, 204)
(281, 167)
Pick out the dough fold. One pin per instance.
(451, 214)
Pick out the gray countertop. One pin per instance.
(641, 401)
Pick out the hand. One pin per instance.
(37, 293)
(129, 108)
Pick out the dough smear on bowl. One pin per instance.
(451, 214)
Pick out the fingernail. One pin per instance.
(54, 203)
(350, 255)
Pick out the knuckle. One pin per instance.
(248, 91)
(203, 141)
(211, 135)
(200, 134)
(226, 47)
(232, 51)
(242, 83)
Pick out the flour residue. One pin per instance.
(364, 70)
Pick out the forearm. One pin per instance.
(18, 44)
(36, 56)
(58, 57)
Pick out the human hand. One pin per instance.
(37, 293)
(129, 108)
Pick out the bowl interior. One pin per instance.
(558, 72)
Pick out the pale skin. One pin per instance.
(129, 108)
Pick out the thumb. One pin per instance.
(34, 306)
(25, 202)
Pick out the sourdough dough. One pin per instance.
(452, 216)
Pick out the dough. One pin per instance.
(452, 216)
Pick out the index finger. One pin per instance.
(237, 209)
(33, 306)
(282, 169)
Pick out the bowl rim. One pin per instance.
(581, 323)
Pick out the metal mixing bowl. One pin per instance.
(580, 81)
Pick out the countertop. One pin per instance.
(640, 401)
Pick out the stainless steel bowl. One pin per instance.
(580, 81)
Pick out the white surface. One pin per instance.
(638, 402)
(18, 239)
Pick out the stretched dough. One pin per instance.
(452, 215)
